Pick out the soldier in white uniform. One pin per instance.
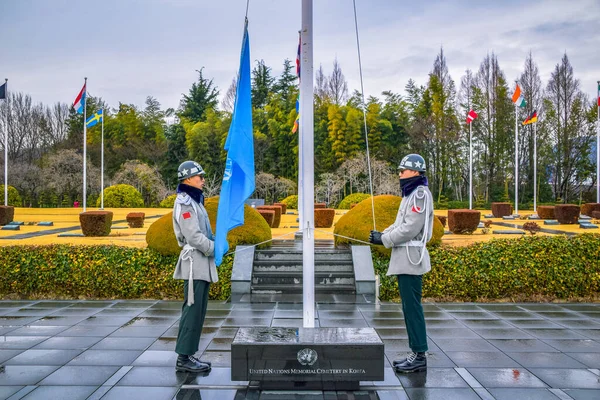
(407, 238)
(196, 264)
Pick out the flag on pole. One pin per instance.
(94, 119)
(518, 98)
(471, 116)
(297, 121)
(3, 91)
(80, 101)
(598, 94)
(531, 118)
(238, 179)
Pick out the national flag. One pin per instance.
(3, 91)
(80, 101)
(531, 118)
(518, 98)
(238, 178)
(94, 119)
(298, 55)
(297, 120)
(598, 94)
(471, 116)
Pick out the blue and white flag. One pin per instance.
(94, 119)
(238, 179)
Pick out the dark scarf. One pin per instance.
(193, 192)
(408, 185)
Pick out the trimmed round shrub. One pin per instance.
(566, 213)
(320, 205)
(501, 209)
(463, 221)
(353, 198)
(588, 208)
(545, 212)
(161, 237)
(96, 223)
(358, 222)
(324, 217)
(168, 202)
(283, 207)
(291, 202)
(596, 214)
(276, 218)
(268, 215)
(7, 214)
(121, 196)
(14, 199)
(135, 219)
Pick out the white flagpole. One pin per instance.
(102, 166)
(84, 147)
(470, 165)
(6, 145)
(535, 168)
(516, 160)
(307, 157)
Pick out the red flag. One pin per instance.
(471, 116)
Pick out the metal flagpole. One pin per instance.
(598, 149)
(84, 147)
(470, 165)
(516, 160)
(307, 178)
(102, 166)
(6, 145)
(535, 168)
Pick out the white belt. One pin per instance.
(186, 255)
(414, 243)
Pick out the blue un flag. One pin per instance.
(238, 179)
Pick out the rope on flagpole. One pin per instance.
(364, 107)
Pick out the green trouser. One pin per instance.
(411, 288)
(192, 318)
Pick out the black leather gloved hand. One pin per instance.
(375, 237)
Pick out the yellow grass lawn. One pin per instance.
(69, 217)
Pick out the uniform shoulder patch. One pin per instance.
(186, 215)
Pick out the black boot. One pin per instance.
(191, 364)
(415, 362)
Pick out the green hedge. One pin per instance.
(532, 268)
(80, 272)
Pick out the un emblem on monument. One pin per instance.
(307, 356)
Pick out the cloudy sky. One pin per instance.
(130, 49)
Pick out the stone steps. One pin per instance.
(278, 269)
(297, 289)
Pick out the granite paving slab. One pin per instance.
(125, 349)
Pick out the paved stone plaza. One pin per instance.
(124, 350)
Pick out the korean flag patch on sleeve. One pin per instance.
(186, 215)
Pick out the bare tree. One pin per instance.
(328, 189)
(61, 173)
(229, 99)
(337, 87)
(145, 179)
(321, 90)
